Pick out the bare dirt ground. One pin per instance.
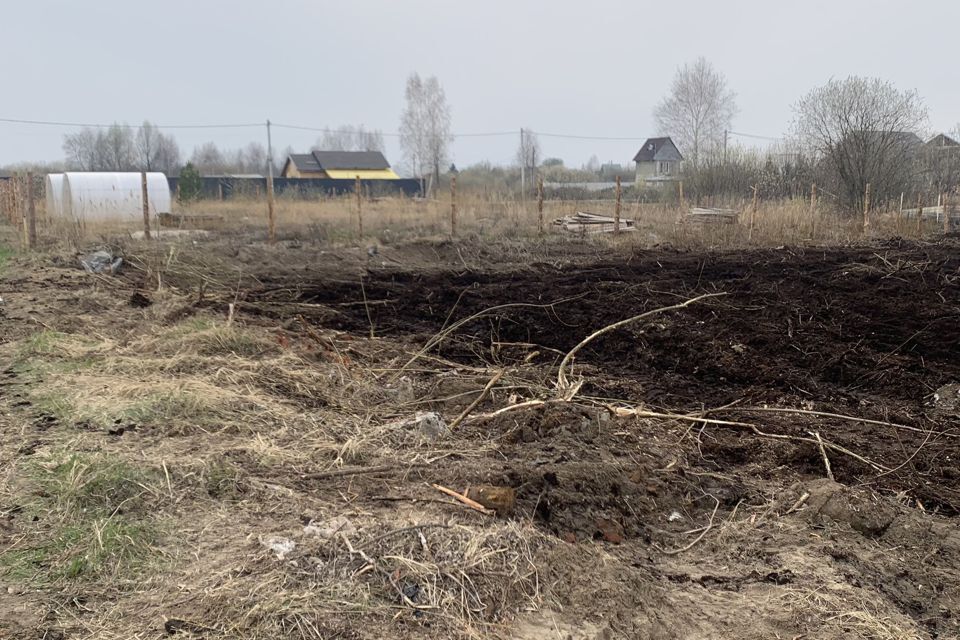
(167, 469)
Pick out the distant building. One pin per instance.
(339, 165)
(941, 141)
(658, 161)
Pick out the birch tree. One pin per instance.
(425, 126)
(698, 110)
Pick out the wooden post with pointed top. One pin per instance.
(31, 213)
(357, 190)
(146, 204)
(540, 205)
(453, 206)
(616, 211)
(866, 209)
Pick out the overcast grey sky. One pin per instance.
(595, 68)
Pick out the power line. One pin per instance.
(249, 125)
(751, 135)
(391, 134)
(580, 137)
(95, 125)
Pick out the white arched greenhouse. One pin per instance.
(112, 196)
(53, 188)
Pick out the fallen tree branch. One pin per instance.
(562, 382)
(508, 408)
(823, 453)
(826, 414)
(642, 413)
(321, 475)
(473, 405)
(473, 504)
(440, 337)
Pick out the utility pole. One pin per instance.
(272, 229)
(725, 132)
(523, 162)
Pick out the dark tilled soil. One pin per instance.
(869, 331)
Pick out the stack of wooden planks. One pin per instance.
(585, 223)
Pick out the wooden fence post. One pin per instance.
(616, 211)
(681, 193)
(946, 212)
(866, 208)
(146, 204)
(271, 211)
(540, 205)
(919, 214)
(31, 213)
(900, 214)
(753, 214)
(357, 189)
(22, 211)
(453, 206)
(813, 209)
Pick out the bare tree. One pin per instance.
(698, 110)
(425, 126)
(350, 138)
(117, 149)
(208, 159)
(80, 149)
(155, 150)
(864, 130)
(528, 152)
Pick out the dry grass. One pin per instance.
(334, 221)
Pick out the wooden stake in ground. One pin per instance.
(356, 189)
(946, 212)
(31, 213)
(271, 220)
(866, 208)
(540, 205)
(753, 214)
(453, 206)
(616, 211)
(813, 208)
(919, 214)
(146, 204)
(680, 186)
(22, 210)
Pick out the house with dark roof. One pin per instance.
(658, 161)
(941, 141)
(339, 165)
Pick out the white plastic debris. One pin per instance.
(327, 529)
(674, 516)
(280, 546)
(430, 424)
(100, 262)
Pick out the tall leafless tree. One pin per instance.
(155, 150)
(110, 149)
(864, 130)
(425, 126)
(528, 151)
(699, 108)
(350, 138)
